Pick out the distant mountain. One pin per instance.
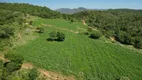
(71, 11)
(75, 10)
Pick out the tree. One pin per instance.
(60, 36)
(95, 35)
(124, 38)
(52, 36)
(56, 36)
(72, 20)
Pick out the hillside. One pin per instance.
(79, 55)
(76, 10)
(125, 25)
(37, 43)
(34, 10)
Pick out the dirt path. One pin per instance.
(72, 31)
(27, 66)
(112, 39)
(83, 21)
(3, 59)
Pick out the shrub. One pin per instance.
(6, 31)
(89, 29)
(14, 58)
(95, 35)
(72, 20)
(1, 64)
(5, 74)
(124, 38)
(14, 63)
(86, 33)
(53, 35)
(30, 22)
(138, 44)
(56, 36)
(33, 74)
(60, 36)
(40, 30)
(13, 66)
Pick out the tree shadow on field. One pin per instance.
(51, 40)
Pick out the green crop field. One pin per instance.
(78, 55)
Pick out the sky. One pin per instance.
(90, 4)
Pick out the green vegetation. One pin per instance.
(95, 35)
(39, 30)
(56, 36)
(78, 55)
(33, 74)
(13, 64)
(43, 12)
(124, 25)
(10, 24)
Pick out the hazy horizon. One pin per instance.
(89, 4)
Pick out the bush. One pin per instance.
(5, 74)
(72, 20)
(95, 35)
(138, 44)
(124, 38)
(1, 64)
(30, 22)
(6, 31)
(14, 58)
(12, 66)
(56, 36)
(89, 29)
(53, 35)
(86, 33)
(15, 62)
(40, 30)
(33, 74)
(60, 36)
